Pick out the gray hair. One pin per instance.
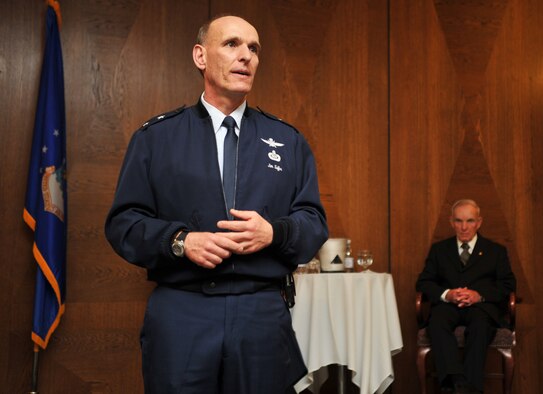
(465, 201)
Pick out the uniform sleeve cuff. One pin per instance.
(281, 231)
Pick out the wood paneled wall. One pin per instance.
(465, 121)
(408, 105)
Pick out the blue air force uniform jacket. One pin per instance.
(170, 180)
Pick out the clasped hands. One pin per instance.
(463, 297)
(248, 233)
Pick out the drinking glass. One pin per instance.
(364, 259)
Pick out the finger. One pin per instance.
(231, 225)
(229, 242)
(244, 215)
(237, 238)
(211, 260)
(208, 253)
(222, 245)
(206, 264)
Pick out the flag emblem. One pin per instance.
(53, 193)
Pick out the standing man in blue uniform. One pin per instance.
(467, 278)
(217, 321)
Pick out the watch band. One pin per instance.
(180, 235)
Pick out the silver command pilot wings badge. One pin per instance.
(271, 142)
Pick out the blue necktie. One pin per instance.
(229, 163)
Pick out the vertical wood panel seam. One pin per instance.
(389, 184)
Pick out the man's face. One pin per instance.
(228, 58)
(466, 222)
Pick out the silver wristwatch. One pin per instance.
(178, 243)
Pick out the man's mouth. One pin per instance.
(241, 72)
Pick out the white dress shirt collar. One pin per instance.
(217, 116)
(470, 243)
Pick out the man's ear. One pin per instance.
(199, 56)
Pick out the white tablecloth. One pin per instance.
(348, 319)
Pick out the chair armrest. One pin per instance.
(512, 305)
(419, 298)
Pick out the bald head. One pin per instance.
(202, 32)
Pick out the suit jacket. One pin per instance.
(488, 271)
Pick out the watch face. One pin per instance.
(178, 248)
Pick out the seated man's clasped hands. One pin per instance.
(463, 297)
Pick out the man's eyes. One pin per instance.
(233, 44)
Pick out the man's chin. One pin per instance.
(242, 89)
(241, 85)
(238, 93)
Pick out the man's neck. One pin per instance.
(224, 104)
(471, 242)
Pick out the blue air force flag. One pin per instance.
(45, 205)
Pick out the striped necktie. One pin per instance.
(464, 256)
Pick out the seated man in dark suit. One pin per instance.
(466, 278)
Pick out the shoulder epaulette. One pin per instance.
(268, 115)
(163, 116)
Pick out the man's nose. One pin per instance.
(245, 53)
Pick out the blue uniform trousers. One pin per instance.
(193, 343)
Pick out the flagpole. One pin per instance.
(35, 366)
